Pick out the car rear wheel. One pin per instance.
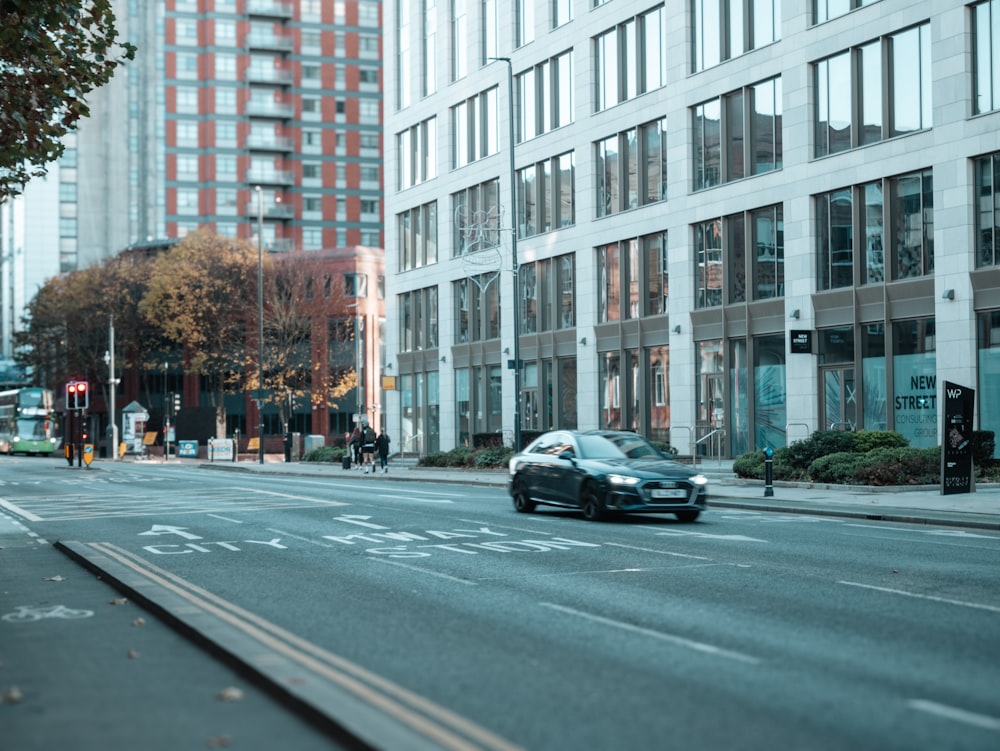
(522, 501)
(592, 503)
(686, 516)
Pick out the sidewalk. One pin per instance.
(920, 504)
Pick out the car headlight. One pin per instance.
(622, 480)
(699, 480)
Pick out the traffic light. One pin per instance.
(77, 395)
(177, 403)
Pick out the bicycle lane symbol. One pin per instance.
(28, 613)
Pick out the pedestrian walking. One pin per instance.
(356, 446)
(382, 444)
(368, 448)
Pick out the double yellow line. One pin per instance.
(401, 718)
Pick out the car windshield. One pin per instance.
(617, 447)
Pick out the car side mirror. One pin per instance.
(567, 455)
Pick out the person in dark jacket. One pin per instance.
(382, 444)
(356, 446)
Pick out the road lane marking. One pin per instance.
(415, 500)
(707, 536)
(420, 714)
(660, 635)
(954, 713)
(24, 514)
(224, 518)
(933, 598)
(290, 495)
(424, 571)
(660, 552)
(298, 537)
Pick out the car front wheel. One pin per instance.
(592, 503)
(522, 501)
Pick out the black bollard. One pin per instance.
(768, 472)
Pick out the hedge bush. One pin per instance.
(836, 468)
(899, 466)
(325, 454)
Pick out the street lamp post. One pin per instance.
(109, 358)
(359, 354)
(260, 323)
(513, 252)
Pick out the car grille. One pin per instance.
(666, 492)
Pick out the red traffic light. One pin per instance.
(81, 387)
(71, 388)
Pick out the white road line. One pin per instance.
(224, 518)
(415, 500)
(294, 497)
(14, 509)
(904, 593)
(660, 552)
(424, 571)
(954, 713)
(662, 636)
(283, 533)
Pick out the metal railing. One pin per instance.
(714, 445)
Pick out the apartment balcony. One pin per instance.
(269, 41)
(276, 76)
(270, 143)
(269, 8)
(271, 211)
(279, 245)
(270, 177)
(270, 108)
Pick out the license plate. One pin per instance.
(661, 493)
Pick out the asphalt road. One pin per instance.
(425, 616)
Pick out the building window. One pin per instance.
(632, 280)
(418, 325)
(545, 196)
(416, 233)
(187, 100)
(912, 224)
(632, 168)
(987, 191)
(430, 47)
(732, 249)
(738, 134)
(225, 101)
(415, 154)
(477, 218)
(187, 167)
(562, 12)
(489, 27)
(824, 10)
(368, 13)
(851, 96)
(474, 124)
(630, 59)
(477, 308)
(525, 22)
(988, 325)
(914, 381)
(545, 96)
(724, 29)
(356, 285)
(187, 201)
(459, 30)
(851, 231)
(986, 33)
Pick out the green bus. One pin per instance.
(27, 422)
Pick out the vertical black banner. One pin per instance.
(956, 434)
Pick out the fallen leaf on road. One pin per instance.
(54, 579)
(119, 601)
(230, 694)
(139, 622)
(132, 654)
(13, 695)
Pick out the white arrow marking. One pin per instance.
(360, 521)
(159, 529)
(958, 533)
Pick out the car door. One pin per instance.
(535, 467)
(562, 477)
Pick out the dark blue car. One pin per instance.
(604, 471)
